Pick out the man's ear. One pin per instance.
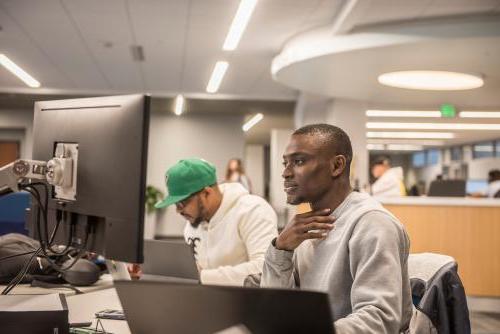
(337, 165)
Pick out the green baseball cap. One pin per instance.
(186, 178)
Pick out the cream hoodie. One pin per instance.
(390, 184)
(233, 244)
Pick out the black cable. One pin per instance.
(15, 255)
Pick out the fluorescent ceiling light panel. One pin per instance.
(480, 114)
(404, 113)
(217, 76)
(375, 147)
(402, 147)
(430, 80)
(429, 135)
(423, 142)
(240, 22)
(483, 148)
(431, 126)
(179, 104)
(19, 72)
(252, 121)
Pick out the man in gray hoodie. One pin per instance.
(349, 246)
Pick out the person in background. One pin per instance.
(389, 180)
(349, 246)
(236, 173)
(494, 183)
(228, 229)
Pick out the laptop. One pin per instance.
(166, 307)
(169, 260)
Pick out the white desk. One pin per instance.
(83, 307)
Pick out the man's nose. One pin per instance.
(287, 172)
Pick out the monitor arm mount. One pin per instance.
(59, 171)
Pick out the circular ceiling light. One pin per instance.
(430, 80)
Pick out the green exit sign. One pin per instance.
(448, 110)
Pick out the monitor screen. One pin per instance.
(104, 213)
(476, 186)
(418, 159)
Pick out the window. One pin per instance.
(483, 150)
(418, 159)
(433, 157)
(456, 153)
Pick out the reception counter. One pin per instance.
(466, 228)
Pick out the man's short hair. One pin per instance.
(382, 160)
(494, 175)
(334, 137)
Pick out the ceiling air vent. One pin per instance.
(137, 53)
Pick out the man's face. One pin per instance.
(192, 209)
(306, 171)
(378, 170)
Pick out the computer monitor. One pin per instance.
(109, 136)
(476, 186)
(447, 188)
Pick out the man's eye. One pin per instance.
(284, 163)
(298, 161)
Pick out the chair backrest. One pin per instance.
(434, 283)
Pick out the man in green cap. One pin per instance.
(229, 229)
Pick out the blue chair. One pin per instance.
(13, 212)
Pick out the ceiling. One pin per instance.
(84, 47)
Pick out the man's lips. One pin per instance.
(290, 187)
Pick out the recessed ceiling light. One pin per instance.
(240, 21)
(179, 104)
(431, 126)
(430, 80)
(429, 135)
(403, 113)
(217, 76)
(480, 114)
(252, 121)
(19, 72)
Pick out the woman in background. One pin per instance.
(236, 173)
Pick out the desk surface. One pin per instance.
(25, 289)
(440, 201)
(82, 308)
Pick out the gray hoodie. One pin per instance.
(362, 265)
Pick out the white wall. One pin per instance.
(20, 120)
(479, 168)
(254, 167)
(350, 117)
(216, 138)
(277, 196)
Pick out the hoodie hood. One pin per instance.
(396, 172)
(231, 193)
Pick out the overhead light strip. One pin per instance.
(404, 113)
(18, 71)
(479, 114)
(423, 142)
(252, 121)
(217, 76)
(179, 104)
(240, 22)
(422, 135)
(431, 126)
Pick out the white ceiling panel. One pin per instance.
(49, 28)
(100, 22)
(16, 44)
